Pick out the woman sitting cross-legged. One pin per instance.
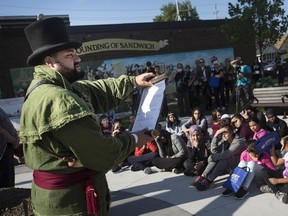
(197, 152)
(254, 161)
(225, 157)
(172, 151)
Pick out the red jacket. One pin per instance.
(149, 147)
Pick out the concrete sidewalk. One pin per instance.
(165, 193)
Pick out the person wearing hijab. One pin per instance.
(197, 152)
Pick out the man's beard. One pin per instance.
(75, 75)
(72, 75)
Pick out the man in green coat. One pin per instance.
(59, 130)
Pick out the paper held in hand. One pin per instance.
(149, 107)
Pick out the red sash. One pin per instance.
(55, 181)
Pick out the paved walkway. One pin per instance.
(165, 193)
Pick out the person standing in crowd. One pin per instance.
(59, 128)
(197, 79)
(256, 70)
(8, 142)
(149, 68)
(182, 78)
(203, 76)
(243, 83)
(172, 151)
(218, 85)
(164, 109)
(229, 80)
(276, 180)
(213, 59)
(279, 63)
(192, 90)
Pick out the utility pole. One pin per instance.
(216, 11)
(178, 18)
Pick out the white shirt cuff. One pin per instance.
(135, 137)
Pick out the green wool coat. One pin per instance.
(59, 120)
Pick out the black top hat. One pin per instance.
(47, 36)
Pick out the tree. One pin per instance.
(256, 22)
(168, 12)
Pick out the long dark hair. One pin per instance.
(201, 114)
(214, 115)
(168, 146)
(177, 120)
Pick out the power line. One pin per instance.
(83, 10)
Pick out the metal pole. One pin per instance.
(178, 18)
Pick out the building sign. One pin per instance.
(116, 44)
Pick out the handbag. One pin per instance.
(214, 82)
(235, 181)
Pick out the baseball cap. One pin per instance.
(225, 116)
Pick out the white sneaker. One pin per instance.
(148, 170)
(266, 189)
(282, 197)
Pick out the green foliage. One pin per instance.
(256, 21)
(168, 12)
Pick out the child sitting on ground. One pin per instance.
(254, 161)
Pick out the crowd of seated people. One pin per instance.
(203, 153)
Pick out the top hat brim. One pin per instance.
(39, 54)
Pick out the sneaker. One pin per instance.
(241, 193)
(134, 169)
(126, 164)
(227, 193)
(266, 189)
(188, 173)
(197, 181)
(203, 185)
(177, 170)
(116, 169)
(147, 170)
(283, 197)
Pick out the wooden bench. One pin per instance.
(271, 97)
